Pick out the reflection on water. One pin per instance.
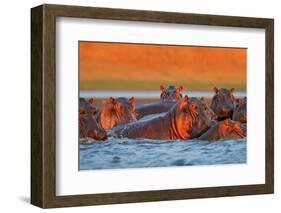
(136, 153)
(145, 94)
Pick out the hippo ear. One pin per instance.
(232, 90)
(216, 90)
(186, 98)
(162, 88)
(180, 89)
(132, 99)
(111, 100)
(91, 100)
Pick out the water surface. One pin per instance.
(142, 153)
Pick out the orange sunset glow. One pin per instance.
(141, 66)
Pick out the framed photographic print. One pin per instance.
(136, 106)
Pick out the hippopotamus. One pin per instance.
(203, 109)
(169, 96)
(88, 104)
(240, 110)
(117, 111)
(171, 93)
(210, 113)
(184, 120)
(88, 127)
(226, 129)
(223, 103)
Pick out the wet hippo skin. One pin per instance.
(171, 93)
(226, 129)
(88, 127)
(117, 111)
(210, 113)
(88, 105)
(223, 103)
(184, 121)
(240, 110)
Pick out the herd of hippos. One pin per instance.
(173, 117)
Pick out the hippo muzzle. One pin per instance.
(224, 112)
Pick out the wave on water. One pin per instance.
(142, 153)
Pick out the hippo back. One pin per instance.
(153, 108)
(184, 121)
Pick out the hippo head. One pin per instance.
(223, 103)
(209, 112)
(231, 129)
(171, 93)
(117, 111)
(189, 120)
(88, 104)
(204, 119)
(226, 129)
(240, 110)
(88, 127)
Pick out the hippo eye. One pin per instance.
(94, 112)
(193, 106)
(82, 112)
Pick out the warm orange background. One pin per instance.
(189, 65)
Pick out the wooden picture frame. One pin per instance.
(43, 105)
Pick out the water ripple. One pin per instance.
(136, 153)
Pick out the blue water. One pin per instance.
(134, 153)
